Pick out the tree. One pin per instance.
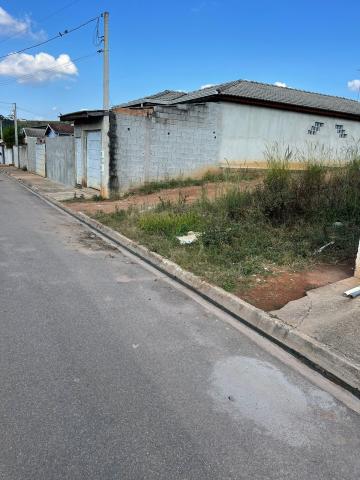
(9, 136)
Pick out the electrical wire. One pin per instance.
(25, 110)
(29, 111)
(97, 38)
(30, 75)
(59, 35)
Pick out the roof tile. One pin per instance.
(245, 89)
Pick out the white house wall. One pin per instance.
(246, 132)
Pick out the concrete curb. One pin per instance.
(319, 356)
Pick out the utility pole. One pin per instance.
(1, 129)
(16, 137)
(106, 103)
(105, 155)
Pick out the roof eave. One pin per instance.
(271, 104)
(289, 107)
(83, 114)
(144, 103)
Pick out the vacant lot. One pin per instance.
(268, 241)
(153, 193)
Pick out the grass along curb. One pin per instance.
(336, 367)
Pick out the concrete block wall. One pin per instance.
(60, 160)
(168, 141)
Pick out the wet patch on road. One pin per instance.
(255, 390)
(93, 242)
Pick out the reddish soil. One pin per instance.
(144, 201)
(273, 292)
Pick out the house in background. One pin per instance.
(57, 129)
(231, 125)
(38, 133)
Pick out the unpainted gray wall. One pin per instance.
(31, 154)
(60, 160)
(169, 142)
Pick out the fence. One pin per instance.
(23, 160)
(31, 154)
(54, 159)
(9, 156)
(60, 160)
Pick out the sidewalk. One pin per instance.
(323, 327)
(327, 316)
(52, 189)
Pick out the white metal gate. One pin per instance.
(40, 159)
(93, 159)
(79, 165)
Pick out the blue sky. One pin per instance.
(182, 45)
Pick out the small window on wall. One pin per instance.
(315, 128)
(340, 130)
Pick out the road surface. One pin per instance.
(109, 370)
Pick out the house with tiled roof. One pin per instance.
(29, 132)
(234, 124)
(57, 129)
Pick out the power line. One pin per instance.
(25, 110)
(45, 70)
(59, 35)
(22, 30)
(29, 111)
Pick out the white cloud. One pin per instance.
(208, 85)
(54, 109)
(354, 85)
(280, 84)
(38, 68)
(10, 25)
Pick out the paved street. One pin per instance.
(108, 370)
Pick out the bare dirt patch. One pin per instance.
(273, 292)
(143, 202)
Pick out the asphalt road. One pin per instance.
(108, 370)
